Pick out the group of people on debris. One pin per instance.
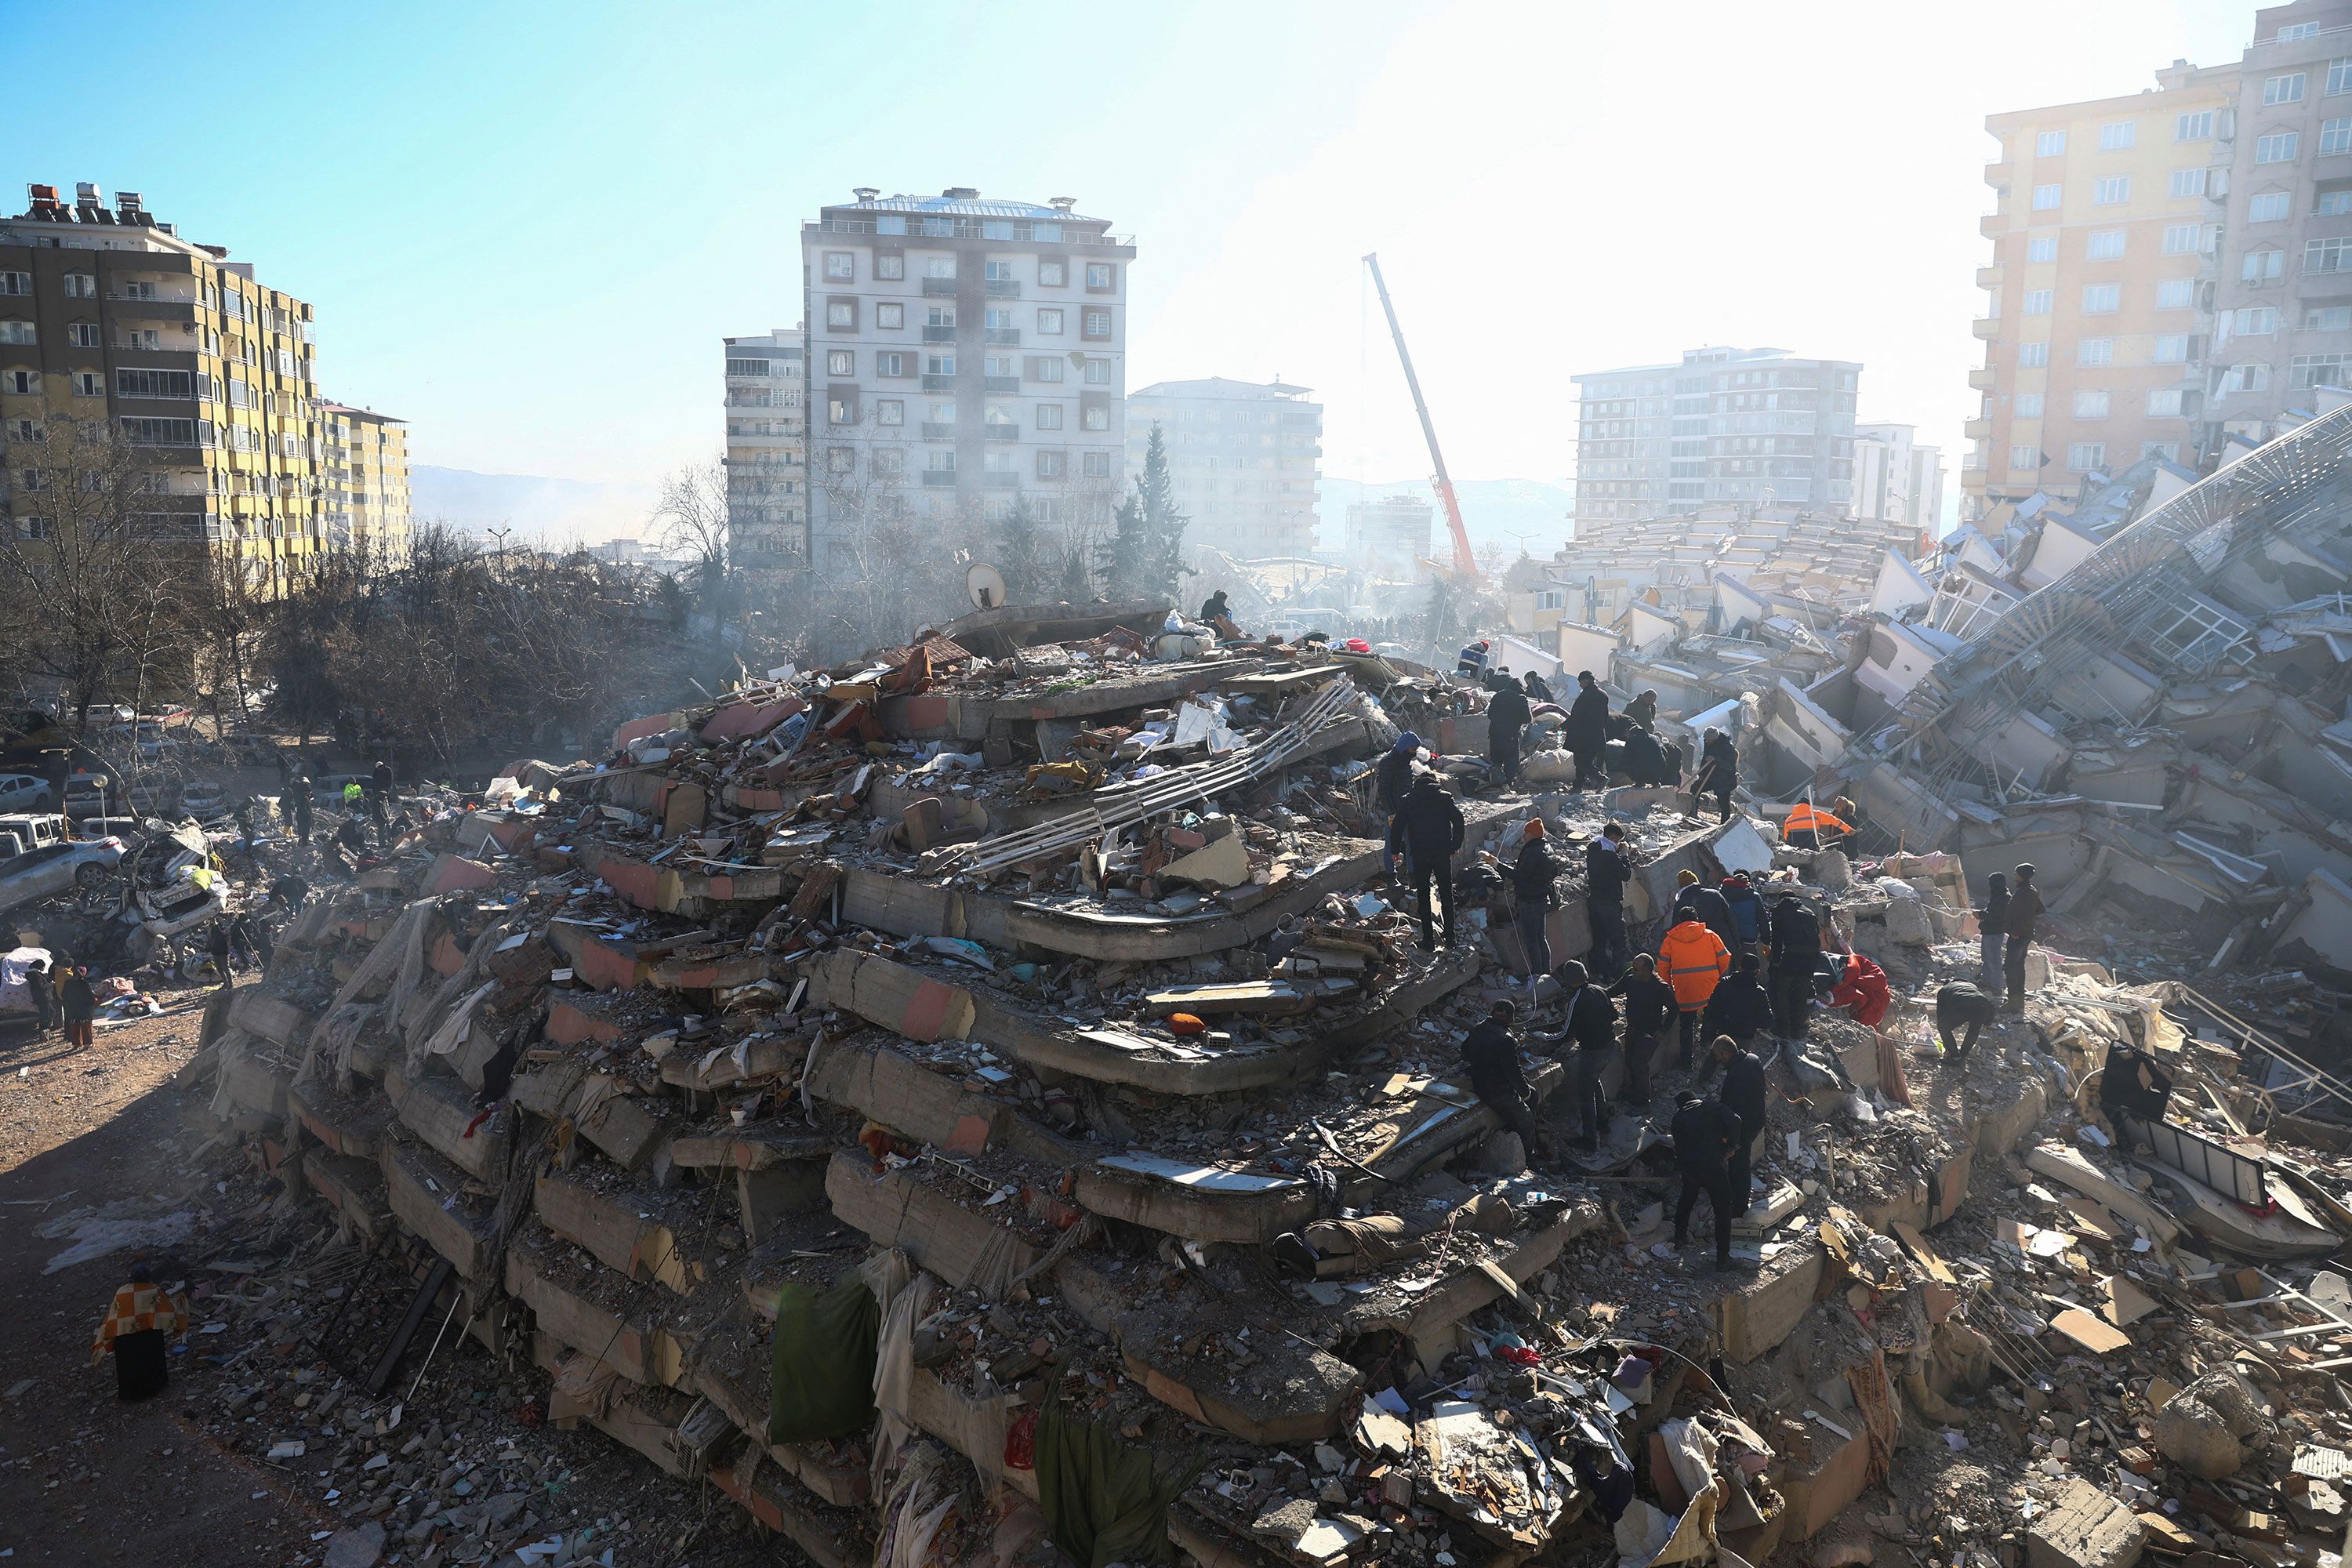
(1587, 728)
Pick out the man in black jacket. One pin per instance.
(1493, 1058)
(1717, 775)
(1539, 689)
(1587, 731)
(1645, 761)
(1392, 781)
(1744, 1095)
(1589, 1027)
(1795, 934)
(1507, 720)
(1963, 1007)
(1703, 1133)
(1649, 1012)
(1695, 901)
(1430, 826)
(1741, 1008)
(1533, 895)
(1608, 867)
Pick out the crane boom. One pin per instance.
(1464, 565)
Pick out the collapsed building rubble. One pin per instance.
(967, 1104)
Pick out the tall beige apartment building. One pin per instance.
(2169, 268)
(366, 482)
(112, 326)
(767, 449)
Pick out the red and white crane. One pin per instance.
(1464, 565)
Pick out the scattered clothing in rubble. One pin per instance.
(1102, 1501)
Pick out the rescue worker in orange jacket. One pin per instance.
(1811, 827)
(1694, 960)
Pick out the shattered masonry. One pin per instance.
(853, 991)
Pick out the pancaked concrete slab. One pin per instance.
(267, 1017)
(256, 1079)
(627, 1127)
(636, 1416)
(888, 1087)
(352, 1124)
(622, 1324)
(1523, 1256)
(625, 1226)
(428, 1195)
(1763, 1310)
(831, 1537)
(351, 1185)
(739, 1385)
(441, 1111)
(961, 1247)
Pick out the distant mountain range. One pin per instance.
(1506, 512)
(551, 511)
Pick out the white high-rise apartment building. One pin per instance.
(1242, 457)
(1896, 479)
(962, 353)
(767, 449)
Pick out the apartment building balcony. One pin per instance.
(1000, 384)
(939, 334)
(938, 383)
(158, 308)
(937, 432)
(1004, 288)
(1989, 276)
(1008, 336)
(939, 287)
(1977, 429)
(939, 478)
(1001, 482)
(1992, 225)
(1987, 327)
(2000, 174)
(998, 431)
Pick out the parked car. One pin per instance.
(102, 794)
(24, 792)
(87, 864)
(204, 800)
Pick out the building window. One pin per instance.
(2261, 265)
(996, 229)
(2336, 203)
(2050, 143)
(2296, 31)
(1095, 465)
(2102, 299)
(2085, 456)
(1051, 465)
(889, 315)
(2029, 405)
(2164, 403)
(940, 267)
(1097, 325)
(2327, 255)
(841, 410)
(1049, 323)
(2090, 405)
(1099, 276)
(2319, 369)
(2037, 301)
(2024, 458)
(840, 266)
(1098, 373)
(2119, 135)
(16, 283)
(2195, 126)
(23, 382)
(2176, 293)
(2254, 320)
(2285, 88)
(939, 365)
(2047, 198)
(2270, 205)
(2043, 248)
(1045, 367)
(17, 333)
(2339, 76)
(841, 313)
(890, 268)
(2111, 190)
(153, 383)
(890, 411)
(1049, 416)
(2095, 351)
(2187, 182)
(998, 271)
(2171, 348)
(82, 286)
(840, 361)
(2032, 356)
(2167, 450)
(2327, 319)
(889, 365)
(1053, 274)
(2335, 136)
(2278, 147)
(2237, 378)
(2180, 238)
(2107, 245)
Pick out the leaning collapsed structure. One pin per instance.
(796, 1096)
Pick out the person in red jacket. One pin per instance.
(1861, 989)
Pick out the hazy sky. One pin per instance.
(526, 227)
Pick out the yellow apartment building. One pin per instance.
(366, 482)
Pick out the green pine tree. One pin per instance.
(1142, 558)
(1020, 555)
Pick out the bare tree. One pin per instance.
(691, 519)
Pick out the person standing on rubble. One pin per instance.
(1693, 898)
(294, 805)
(1717, 775)
(1608, 864)
(1649, 1007)
(1392, 781)
(1472, 661)
(1695, 961)
(1590, 1027)
(1539, 689)
(141, 1317)
(383, 781)
(78, 1004)
(1747, 911)
(1741, 1008)
(1993, 925)
(1492, 1056)
(1432, 830)
(1533, 897)
(1586, 733)
(1744, 1095)
(1794, 941)
(1506, 720)
(1705, 1134)
(2024, 908)
(43, 986)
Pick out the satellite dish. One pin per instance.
(985, 584)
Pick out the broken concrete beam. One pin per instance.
(1818, 1489)
(972, 1425)
(627, 1127)
(1257, 998)
(267, 1017)
(353, 1186)
(963, 1248)
(345, 1124)
(456, 874)
(573, 1016)
(895, 1090)
(255, 1082)
(419, 1183)
(646, 1419)
(2084, 1528)
(1760, 1312)
(736, 720)
(1217, 864)
(739, 1385)
(624, 1225)
(708, 1071)
(1199, 1202)
(2066, 1166)
(896, 995)
(705, 971)
(440, 1110)
(751, 1149)
(1469, 1291)
(832, 1538)
(597, 960)
(615, 1322)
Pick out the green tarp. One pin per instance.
(1102, 1503)
(822, 1384)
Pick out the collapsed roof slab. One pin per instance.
(353, 1186)
(428, 1195)
(611, 1319)
(968, 1249)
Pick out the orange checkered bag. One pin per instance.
(138, 1306)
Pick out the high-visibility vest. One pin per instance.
(353, 793)
(1808, 815)
(202, 876)
(1694, 960)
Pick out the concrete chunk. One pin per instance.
(2085, 1529)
